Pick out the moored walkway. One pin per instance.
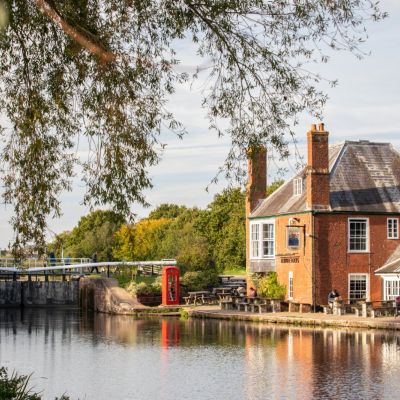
(304, 319)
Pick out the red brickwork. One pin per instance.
(334, 262)
(257, 177)
(318, 168)
(256, 187)
(322, 261)
(298, 261)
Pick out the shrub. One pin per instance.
(144, 288)
(198, 280)
(269, 287)
(15, 387)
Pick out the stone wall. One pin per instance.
(10, 293)
(50, 293)
(104, 295)
(38, 293)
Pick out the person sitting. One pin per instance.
(252, 292)
(240, 291)
(332, 296)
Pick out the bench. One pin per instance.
(326, 308)
(227, 304)
(383, 311)
(299, 307)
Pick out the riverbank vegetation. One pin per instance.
(204, 242)
(208, 240)
(16, 387)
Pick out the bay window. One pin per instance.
(262, 239)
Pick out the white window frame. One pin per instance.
(255, 240)
(366, 231)
(366, 285)
(260, 241)
(265, 239)
(393, 231)
(297, 186)
(290, 286)
(391, 287)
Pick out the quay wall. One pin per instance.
(39, 293)
(104, 295)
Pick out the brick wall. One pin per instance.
(334, 262)
(299, 261)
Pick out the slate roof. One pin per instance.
(392, 264)
(364, 177)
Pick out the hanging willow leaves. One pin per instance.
(94, 77)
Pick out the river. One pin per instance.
(97, 356)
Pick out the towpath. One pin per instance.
(306, 319)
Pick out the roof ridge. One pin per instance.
(336, 161)
(367, 142)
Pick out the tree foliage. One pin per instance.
(103, 70)
(166, 211)
(94, 233)
(223, 224)
(147, 235)
(276, 184)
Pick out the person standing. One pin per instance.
(94, 260)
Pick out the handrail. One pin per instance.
(91, 265)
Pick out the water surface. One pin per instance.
(97, 356)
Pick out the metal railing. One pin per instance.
(79, 265)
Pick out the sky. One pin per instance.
(364, 105)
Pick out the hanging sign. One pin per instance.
(293, 235)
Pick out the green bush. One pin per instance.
(199, 280)
(269, 287)
(144, 288)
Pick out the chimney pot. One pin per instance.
(313, 127)
(321, 127)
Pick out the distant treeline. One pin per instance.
(199, 239)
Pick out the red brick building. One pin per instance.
(333, 225)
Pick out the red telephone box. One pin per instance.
(170, 285)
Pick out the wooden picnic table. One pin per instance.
(222, 291)
(201, 296)
(252, 303)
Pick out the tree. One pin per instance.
(94, 233)
(276, 184)
(124, 242)
(103, 70)
(147, 235)
(59, 243)
(223, 224)
(167, 211)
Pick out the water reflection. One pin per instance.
(169, 358)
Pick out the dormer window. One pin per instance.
(298, 186)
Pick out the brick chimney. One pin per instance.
(255, 191)
(257, 177)
(318, 168)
